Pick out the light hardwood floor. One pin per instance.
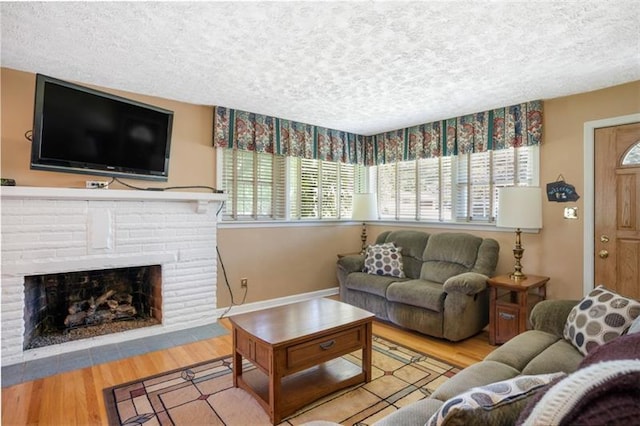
(75, 397)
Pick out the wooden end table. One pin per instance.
(510, 304)
(296, 350)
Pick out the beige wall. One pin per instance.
(284, 261)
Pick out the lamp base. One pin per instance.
(363, 238)
(517, 274)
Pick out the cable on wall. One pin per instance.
(226, 280)
(168, 188)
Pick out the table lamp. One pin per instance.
(365, 207)
(519, 207)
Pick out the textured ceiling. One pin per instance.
(363, 67)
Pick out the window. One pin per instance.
(254, 184)
(455, 189)
(462, 188)
(322, 189)
(632, 157)
(272, 187)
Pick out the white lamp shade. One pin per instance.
(365, 207)
(520, 207)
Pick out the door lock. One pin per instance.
(604, 238)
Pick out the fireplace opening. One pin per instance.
(76, 305)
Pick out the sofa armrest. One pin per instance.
(551, 315)
(351, 263)
(468, 283)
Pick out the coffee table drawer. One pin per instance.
(325, 348)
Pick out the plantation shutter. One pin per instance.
(386, 187)
(279, 191)
(429, 192)
(254, 183)
(330, 194)
(407, 190)
(446, 188)
(347, 184)
(309, 189)
(480, 189)
(462, 188)
(264, 185)
(243, 183)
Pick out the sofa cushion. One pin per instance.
(420, 293)
(498, 403)
(413, 414)
(374, 284)
(412, 243)
(551, 315)
(521, 349)
(601, 316)
(480, 374)
(384, 259)
(449, 254)
(561, 356)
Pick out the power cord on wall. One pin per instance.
(226, 280)
(167, 188)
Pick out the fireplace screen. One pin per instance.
(75, 305)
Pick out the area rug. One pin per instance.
(203, 394)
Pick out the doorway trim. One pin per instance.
(589, 196)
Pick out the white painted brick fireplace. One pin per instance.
(58, 230)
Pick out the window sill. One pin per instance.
(486, 227)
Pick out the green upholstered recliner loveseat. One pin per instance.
(444, 292)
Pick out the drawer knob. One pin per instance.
(327, 345)
(506, 316)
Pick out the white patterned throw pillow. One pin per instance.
(496, 403)
(384, 259)
(601, 316)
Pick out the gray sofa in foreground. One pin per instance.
(602, 387)
(443, 292)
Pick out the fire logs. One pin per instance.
(108, 307)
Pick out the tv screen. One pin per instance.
(80, 130)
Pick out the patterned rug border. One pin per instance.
(110, 399)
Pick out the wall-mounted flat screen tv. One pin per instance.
(81, 130)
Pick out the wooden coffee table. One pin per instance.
(296, 349)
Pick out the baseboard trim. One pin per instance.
(264, 304)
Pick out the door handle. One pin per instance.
(603, 254)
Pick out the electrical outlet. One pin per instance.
(95, 184)
(244, 282)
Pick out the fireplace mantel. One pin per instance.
(105, 194)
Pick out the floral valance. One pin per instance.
(255, 132)
(513, 126)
